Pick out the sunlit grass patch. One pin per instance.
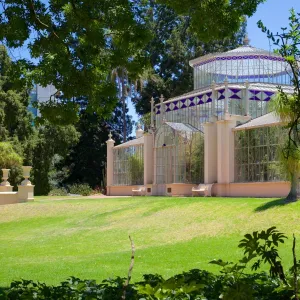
(49, 240)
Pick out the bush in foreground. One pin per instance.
(82, 189)
(58, 192)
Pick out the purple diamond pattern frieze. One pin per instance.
(168, 107)
(183, 105)
(254, 95)
(175, 105)
(207, 97)
(200, 100)
(221, 94)
(235, 94)
(192, 102)
(267, 95)
(158, 109)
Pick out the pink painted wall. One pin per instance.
(120, 190)
(180, 189)
(252, 189)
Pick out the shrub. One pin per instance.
(58, 192)
(80, 189)
(8, 156)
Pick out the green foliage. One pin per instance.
(287, 106)
(135, 169)
(53, 142)
(58, 113)
(15, 119)
(8, 156)
(264, 245)
(80, 189)
(77, 43)
(145, 121)
(86, 160)
(58, 192)
(217, 19)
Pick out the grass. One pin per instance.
(49, 240)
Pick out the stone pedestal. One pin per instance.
(26, 189)
(5, 188)
(26, 175)
(110, 163)
(25, 193)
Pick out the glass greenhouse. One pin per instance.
(222, 134)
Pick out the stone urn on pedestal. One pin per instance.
(5, 175)
(26, 175)
(5, 185)
(26, 189)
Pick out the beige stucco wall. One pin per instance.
(252, 189)
(180, 189)
(120, 190)
(8, 198)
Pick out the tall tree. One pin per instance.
(77, 43)
(53, 144)
(287, 106)
(15, 119)
(87, 159)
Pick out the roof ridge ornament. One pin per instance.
(246, 41)
(162, 98)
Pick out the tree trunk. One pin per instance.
(292, 196)
(124, 106)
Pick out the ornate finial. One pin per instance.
(226, 80)
(246, 40)
(139, 126)
(110, 135)
(152, 100)
(213, 84)
(161, 98)
(247, 83)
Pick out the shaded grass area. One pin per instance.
(49, 240)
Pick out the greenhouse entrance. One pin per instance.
(179, 156)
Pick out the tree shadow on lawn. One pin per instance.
(271, 204)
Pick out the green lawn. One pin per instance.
(49, 240)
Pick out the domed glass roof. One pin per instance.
(238, 65)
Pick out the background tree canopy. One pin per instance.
(76, 43)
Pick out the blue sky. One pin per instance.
(274, 14)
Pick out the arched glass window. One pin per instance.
(179, 154)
